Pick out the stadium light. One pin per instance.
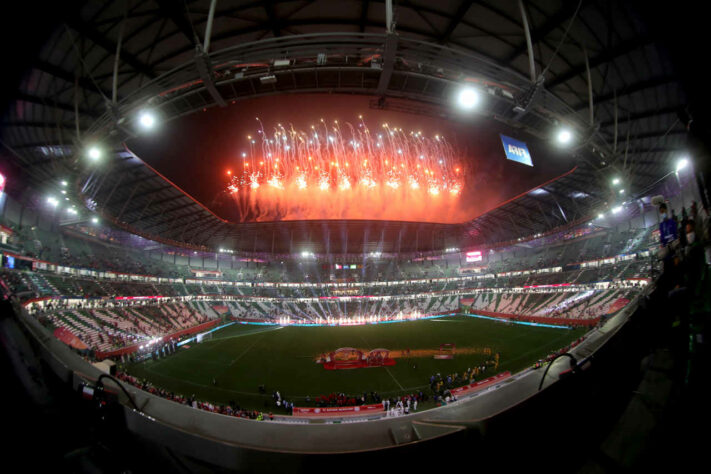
(564, 136)
(52, 201)
(147, 120)
(681, 164)
(600, 216)
(616, 210)
(616, 181)
(94, 153)
(467, 98)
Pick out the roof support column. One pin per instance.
(204, 67)
(614, 144)
(389, 15)
(529, 43)
(208, 27)
(202, 60)
(388, 50)
(590, 88)
(114, 88)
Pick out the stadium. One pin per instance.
(299, 236)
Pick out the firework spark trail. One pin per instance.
(336, 171)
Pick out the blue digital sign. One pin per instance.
(516, 151)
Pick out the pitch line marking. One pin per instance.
(244, 352)
(393, 377)
(386, 369)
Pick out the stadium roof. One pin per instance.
(77, 89)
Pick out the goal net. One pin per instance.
(203, 336)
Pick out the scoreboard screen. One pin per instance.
(516, 150)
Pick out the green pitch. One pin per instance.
(242, 357)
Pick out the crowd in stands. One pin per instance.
(74, 247)
(589, 304)
(109, 328)
(686, 254)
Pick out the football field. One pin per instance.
(240, 358)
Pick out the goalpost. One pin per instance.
(203, 336)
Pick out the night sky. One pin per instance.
(196, 151)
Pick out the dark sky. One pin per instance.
(195, 151)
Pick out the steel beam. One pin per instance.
(389, 51)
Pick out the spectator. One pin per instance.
(668, 231)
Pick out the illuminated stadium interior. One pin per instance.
(293, 235)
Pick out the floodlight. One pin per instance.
(681, 164)
(564, 136)
(616, 181)
(94, 153)
(147, 120)
(468, 98)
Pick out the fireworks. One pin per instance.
(346, 171)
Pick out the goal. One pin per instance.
(203, 337)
